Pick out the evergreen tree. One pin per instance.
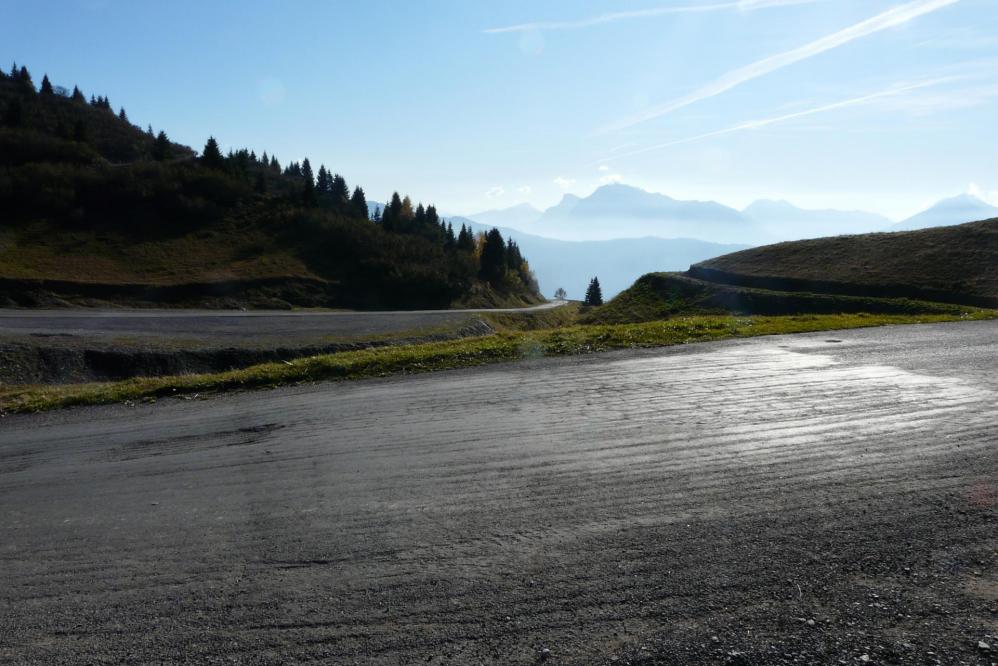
(14, 71)
(150, 132)
(46, 85)
(340, 192)
(322, 182)
(492, 264)
(24, 78)
(358, 203)
(419, 217)
(392, 215)
(450, 240)
(122, 116)
(78, 96)
(465, 240)
(275, 166)
(594, 294)
(432, 218)
(161, 147)
(211, 156)
(308, 178)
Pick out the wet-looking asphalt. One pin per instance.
(815, 497)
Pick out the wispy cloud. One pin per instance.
(495, 192)
(613, 17)
(891, 18)
(893, 91)
(564, 183)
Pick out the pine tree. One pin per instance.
(465, 240)
(211, 156)
(78, 96)
(340, 192)
(419, 217)
(450, 241)
(308, 178)
(492, 264)
(122, 116)
(322, 184)
(24, 78)
(391, 216)
(275, 166)
(161, 147)
(594, 294)
(46, 85)
(358, 203)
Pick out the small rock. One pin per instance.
(865, 658)
(981, 645)
(810, 623)
(715, 639)
(545, 654)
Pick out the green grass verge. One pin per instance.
(419, 358)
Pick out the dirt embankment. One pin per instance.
(58, 359)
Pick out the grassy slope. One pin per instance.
(959, 259)
(407, 359)
(661, 295)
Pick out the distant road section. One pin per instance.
(228, 327)
(815, 499)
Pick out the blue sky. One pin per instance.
(884, 105)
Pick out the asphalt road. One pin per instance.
(226, 327)
(825, 498)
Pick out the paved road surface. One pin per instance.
(814, 498)
(228, 327)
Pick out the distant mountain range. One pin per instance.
(622, 211)
(619, 232)
(617, 262)
(955, 210)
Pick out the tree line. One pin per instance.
(93, 123)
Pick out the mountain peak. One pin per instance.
(953, 210)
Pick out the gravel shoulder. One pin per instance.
(792, 499)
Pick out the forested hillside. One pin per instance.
(94, 209)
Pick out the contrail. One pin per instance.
(755, 124)
(743, 5)
(891, 18)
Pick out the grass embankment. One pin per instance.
(662, 295)
(409, 359)
(955, 261)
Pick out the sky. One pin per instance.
(880, 105)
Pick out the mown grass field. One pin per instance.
(507, 345)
